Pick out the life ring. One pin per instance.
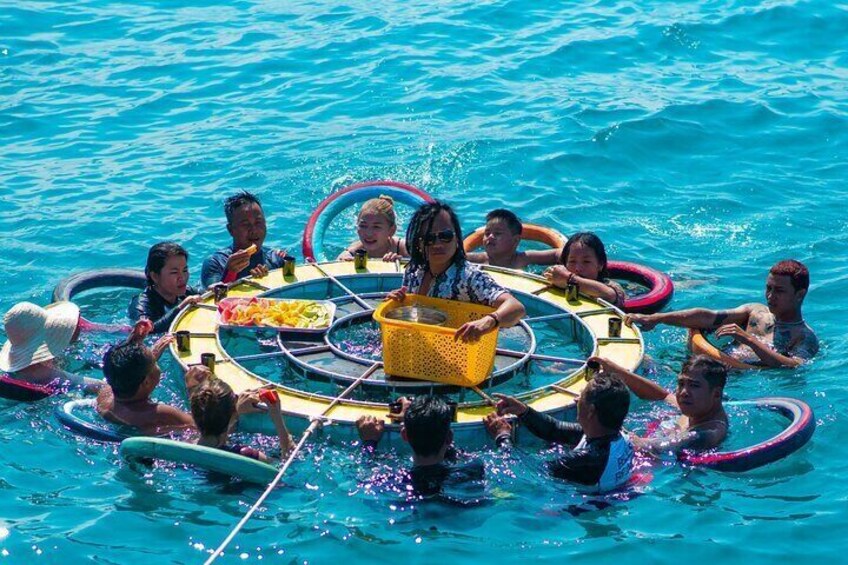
(660, 287)
(330, 207)
(700, 345)
(99, 278)
(208, 458)
(533, 232)
(70, 415)
(15, 389)
(793, 437)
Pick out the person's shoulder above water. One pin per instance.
(603, 462)
(796, 339)
(429, 480)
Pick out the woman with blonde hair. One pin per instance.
(376, 225)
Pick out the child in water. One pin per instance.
(584, 263)
(216, 408)
(501, 238)
(376, 226)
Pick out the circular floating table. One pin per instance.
(541, 360)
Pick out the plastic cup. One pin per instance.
(208, 359)
(360, 259)
(183, 341)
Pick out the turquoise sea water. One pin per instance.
(707, 139)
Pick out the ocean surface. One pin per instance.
(705, 139)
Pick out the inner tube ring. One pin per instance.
(334, 204)
(16, 389)
(660, 287)
(100, 432)
(793, 437)
(533, 232)
(70, 286)
(700, 345)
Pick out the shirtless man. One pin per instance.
(501, 238)
(132, 372)
(774, 336)
(702, 423)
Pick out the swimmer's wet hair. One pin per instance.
(795, 270)
(213, 404)
(125, 367)
(508, 217)
(382, 205)
(238, 200)
(593, 242)
(713, 371)
(611, 399)
(159, 255)
(427, 423)
(420, 225)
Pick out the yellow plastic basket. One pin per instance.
(429, 353)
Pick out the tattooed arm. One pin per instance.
(699, 318)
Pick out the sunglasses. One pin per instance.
(444, 236)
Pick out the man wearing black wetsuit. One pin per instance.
(602, 455)
(426, 427)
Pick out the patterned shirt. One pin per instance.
(462, 281)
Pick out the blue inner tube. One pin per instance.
(80, 417)
(69, 287)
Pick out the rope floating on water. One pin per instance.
(313, 425)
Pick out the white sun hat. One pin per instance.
(36, 334)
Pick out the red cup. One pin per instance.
(269, 396)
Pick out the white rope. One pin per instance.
(313, 425)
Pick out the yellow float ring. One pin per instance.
(548, 236)
(301, 407)
(700, 345)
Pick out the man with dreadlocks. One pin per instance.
(438, 268)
